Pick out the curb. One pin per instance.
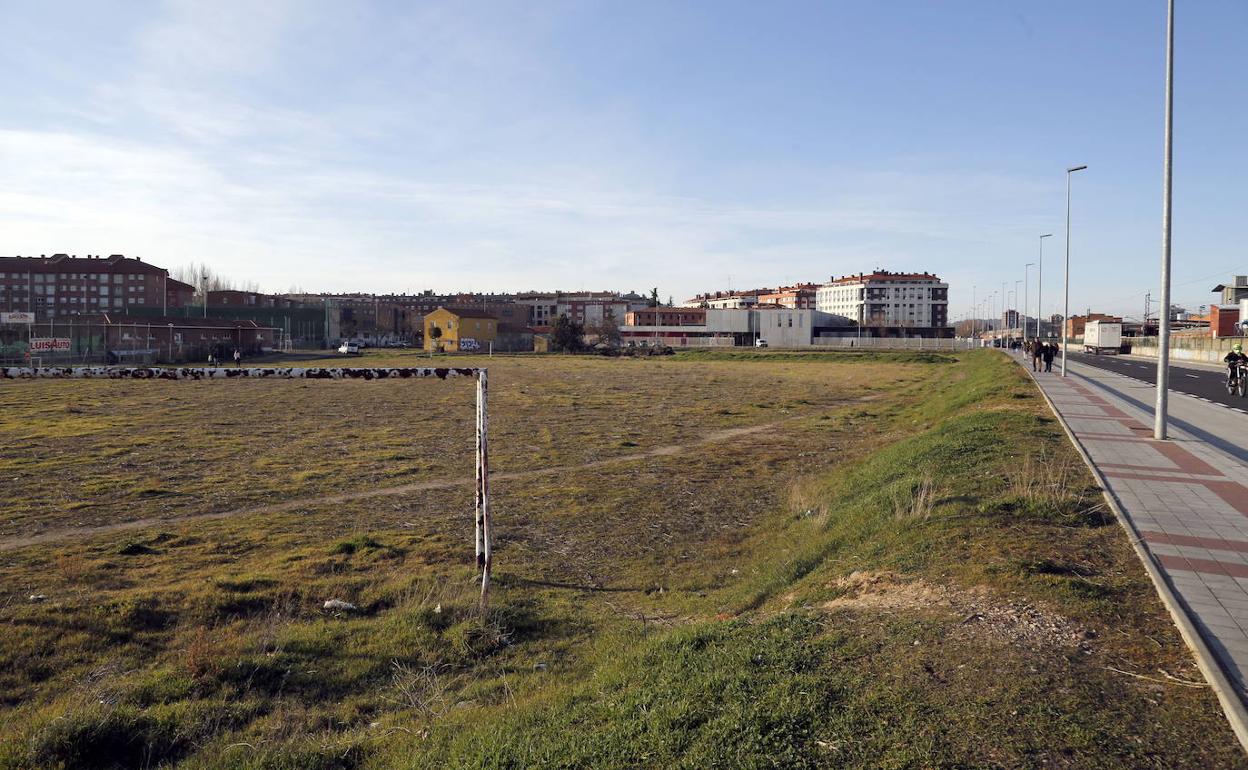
(1233, 706)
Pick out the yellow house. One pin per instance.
(462, 330)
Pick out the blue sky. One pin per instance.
(590, 145)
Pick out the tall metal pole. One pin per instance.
(1026, 294)
(1163, 318)
(1066, 300)
(974, 312)
(1017, 319)
(1040, 284)
(1003, 285)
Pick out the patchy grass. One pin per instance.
(700, 562)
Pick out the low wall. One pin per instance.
(893, 343)
(1209, 350)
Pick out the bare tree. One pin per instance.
(202, 276)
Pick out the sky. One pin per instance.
(687, 145)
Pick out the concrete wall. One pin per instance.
(1203, 349)
(894, 343)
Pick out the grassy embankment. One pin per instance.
(925, 578)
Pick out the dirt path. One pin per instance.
(67, 533)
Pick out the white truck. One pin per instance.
(1102, 337)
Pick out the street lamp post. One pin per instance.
(1066, 300)
(1040, 284)
(1017, 318)
(974, 312)
(1163, 319)
(1003, 296)
(1026, 294)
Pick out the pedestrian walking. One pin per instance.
(238, 359)
(1037, 353)
(1050, 350)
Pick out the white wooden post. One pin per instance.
(483, 534)
(484, 526)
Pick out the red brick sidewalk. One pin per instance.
(1187, 500)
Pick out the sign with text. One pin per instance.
(17, 318)
(49, 345)
(468, 343)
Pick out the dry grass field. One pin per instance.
(702, 560)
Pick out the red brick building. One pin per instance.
(799, 297)
(1224, 320)
(1076, 324)
(235, 298)
(666, 316)
(63, 285)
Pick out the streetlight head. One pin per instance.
(1076, 168)
(1047, 235)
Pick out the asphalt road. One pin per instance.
(1202, 383)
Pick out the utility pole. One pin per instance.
(1163, 321)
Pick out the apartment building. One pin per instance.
(62, 285)
(586, 308)
(799, 297)
(891, 303)
(235, 298)
(729, 300)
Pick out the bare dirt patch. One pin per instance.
(982, 613)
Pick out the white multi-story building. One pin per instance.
(779, 327)
(888, 300)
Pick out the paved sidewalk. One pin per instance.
(1187, 498)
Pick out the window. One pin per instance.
(118, 278)
(103, 291)
(103, 278)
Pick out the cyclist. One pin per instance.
(1233, 361)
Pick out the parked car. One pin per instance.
(760, 343)
(349, 347)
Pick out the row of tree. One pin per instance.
(568, 336)
(203, 277)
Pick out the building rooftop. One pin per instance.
(92, 263)
(463, 312)
(884, 275)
